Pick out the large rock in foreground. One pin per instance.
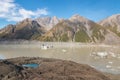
(49, 69)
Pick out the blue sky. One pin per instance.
(12, 11)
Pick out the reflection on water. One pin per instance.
(102, 57)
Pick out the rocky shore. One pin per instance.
(48, 69)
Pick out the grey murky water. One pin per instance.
(102, 57)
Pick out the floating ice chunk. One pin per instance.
(64, 50)
(112, 54)
(92, 54)
(44, 47)
(92, 66)
(105, 54)
(96, 58)
(110, 62)
(113, 69)
(108, 66)
(102, 54)
(118, 67)
(2, 57)
(118, 56)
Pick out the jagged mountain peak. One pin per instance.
(54, 17)
(111, 21)
(27, 20)
(48, 22)
(78, 18)
(54, 20)
(44, 18)
(26, 29)
(8, 29)
(115, 16)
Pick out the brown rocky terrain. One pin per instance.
(113, 76)
(76, 29)
(48, 69)
(48, 22)
(112, 23)
(26, 30)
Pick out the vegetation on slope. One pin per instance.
(81, 36)
(114, 29)
(98, 33)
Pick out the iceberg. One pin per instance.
(2, 57)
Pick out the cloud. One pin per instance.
(11, 11)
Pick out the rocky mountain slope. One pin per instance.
(48, 69)
(48, 22)
(74, 29)
(78, 29)
(26, 29)
(112, 23)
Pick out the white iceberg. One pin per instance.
(64, 50)
(110, 62)
(108, 66)
(112, 54)
(2, 57)
(102, 54)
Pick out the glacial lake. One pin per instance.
(105, 58)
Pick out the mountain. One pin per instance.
(25, 29)
(77, 29)
(112, 23)
(74, 29)
(47, 22)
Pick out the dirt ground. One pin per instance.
(48, 69)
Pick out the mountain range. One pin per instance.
(75, 29)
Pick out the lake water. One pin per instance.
(32, 65)
(102, 57)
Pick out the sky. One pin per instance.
(13, 11)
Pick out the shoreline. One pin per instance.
(35, 42)
(23, 42)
